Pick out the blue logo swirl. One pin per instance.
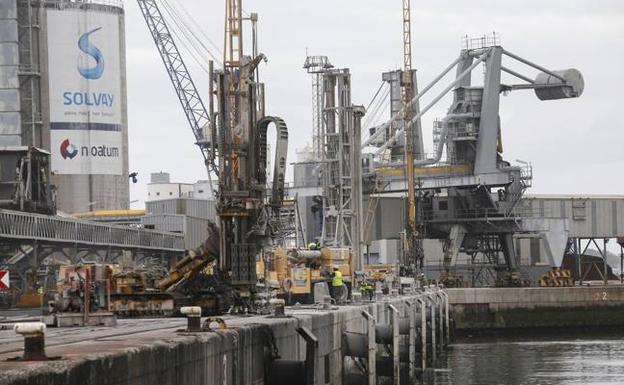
(91, 50)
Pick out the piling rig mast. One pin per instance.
(341, 163)
(246, 218)
(412, 250)
(233, 141)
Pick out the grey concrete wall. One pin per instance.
(537, 307)
(164, 356)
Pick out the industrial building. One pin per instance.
(63, 90)
(357, 272)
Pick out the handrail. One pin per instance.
(20, 225)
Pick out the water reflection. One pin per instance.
(589, 358)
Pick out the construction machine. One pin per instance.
(294, 272)
(232, 135)
(191, 281)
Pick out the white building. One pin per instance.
(161, 187)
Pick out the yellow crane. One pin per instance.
(413, 247)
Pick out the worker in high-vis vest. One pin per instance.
(337, 285)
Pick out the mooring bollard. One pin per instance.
(279, 307)
(34, 340)
(193, 317)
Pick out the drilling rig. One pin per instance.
(232, 135)
(247, 219)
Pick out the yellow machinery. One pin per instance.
(556, 278)
(294, 272)
(191, 282)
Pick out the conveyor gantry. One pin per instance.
(28, 227)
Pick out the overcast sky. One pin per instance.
(575, 146)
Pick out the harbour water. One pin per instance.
(589, 358)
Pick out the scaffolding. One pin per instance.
(316, 66)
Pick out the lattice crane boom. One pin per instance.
(198, 117)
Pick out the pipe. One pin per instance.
(518, 75)
(414, 99)
(536, 66)
(433, 102)
(443, 138)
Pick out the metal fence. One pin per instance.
(28, 226)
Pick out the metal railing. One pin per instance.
(485, 41)
(489, 213)
(29, 226)
(64, 3)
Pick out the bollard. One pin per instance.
(327, 302)
(279, 307)
(356, 297)
(193, 317)
(34, 340)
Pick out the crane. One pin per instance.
(195, 111)
(413, 247)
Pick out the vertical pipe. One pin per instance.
(411, 312)
(621, 264)
(446, 318)
(432, 310)
(604, 261)
(87, 296)
(580, 265)
(372, 348)
(394, 321)
(423, 333)
(440, 300)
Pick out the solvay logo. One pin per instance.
(85, 46)
(68, 150)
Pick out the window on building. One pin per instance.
(157, 193)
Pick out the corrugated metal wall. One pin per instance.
(194, 229)
(591, 217)
(10, 122)
(199, 208)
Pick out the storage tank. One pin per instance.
(71, 96)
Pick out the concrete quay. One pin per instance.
(156, 351)
(492, 309)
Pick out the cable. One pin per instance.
(199, 28)
(182, 41)
(374, 115)
(188, 36)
